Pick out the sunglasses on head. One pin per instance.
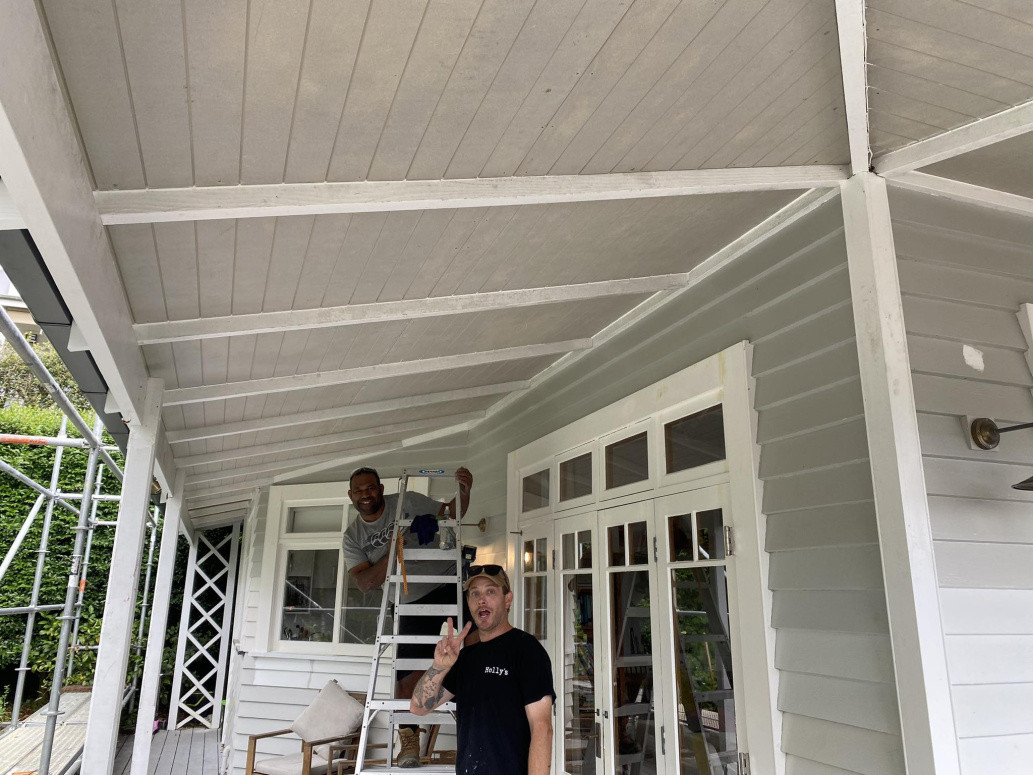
(477, 570)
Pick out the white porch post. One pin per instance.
(156, 633)
(901, 506)
(120, 602)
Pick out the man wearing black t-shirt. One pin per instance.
(502, 685)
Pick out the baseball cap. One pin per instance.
(494, 573)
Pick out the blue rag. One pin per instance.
(424, 526)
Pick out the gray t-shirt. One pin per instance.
(369, 541)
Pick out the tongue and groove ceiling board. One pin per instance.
(935, 65)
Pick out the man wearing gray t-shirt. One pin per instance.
(365, 547)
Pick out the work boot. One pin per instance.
(409, 756)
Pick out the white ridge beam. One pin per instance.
(852, 41)
(963, 192)
(339, 412)
(158, 205)
(970, 137)
(387, 311)
(307, 442)
(192, 395)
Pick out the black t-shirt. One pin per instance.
(492, 682)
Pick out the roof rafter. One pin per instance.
(277, 465)
(387, 311)
(307, 442)
(216, 495)
(964, 192)
(340, 412)
(160, 205)
(254, 387)
(970, 137)
(10, 218)
(850, 23)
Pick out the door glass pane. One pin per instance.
(633, 721)
(580, 730)
(627, 461)
(528, 555)
(706, 708)
(541, 562)
(534, 605)
(315, 519)
(309, 595)
(536, 491)
(695, 440)
(584, 549)
(615, 539)
(576, 477)
(710, 535)
(567, 551)
(679, 537)
(638, 541)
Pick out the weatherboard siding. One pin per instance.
(791, 299)
(964, 271)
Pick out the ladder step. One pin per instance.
(426, 609)
(424, 768)
(432, 639)
(416, 578)
(413, 664)
(403, 705)
(426, 553)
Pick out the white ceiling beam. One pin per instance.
(229, 390)
(10, 217)
(193, 461)
(439, 457)
(221, 508)
(970, 137)
(275, 466)
(46, 175)
(198, 498)
(340, 412)
(850, 23)
(158, 205)
(964, 192)
(220, 520)
(389, 311)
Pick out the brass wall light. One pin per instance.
(986, 435)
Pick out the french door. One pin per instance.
(645, 639)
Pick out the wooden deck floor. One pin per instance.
(182, 752)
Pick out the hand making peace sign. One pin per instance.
(447, 651)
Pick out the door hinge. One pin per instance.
(729, 541)
(554, 559)
(656, 552)
(663, 742)
(744, 764)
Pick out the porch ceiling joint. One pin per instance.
(162, 205)
(850, 23)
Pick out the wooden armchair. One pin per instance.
(316, 755)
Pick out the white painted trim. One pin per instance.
(76, 339)
(239, 493)
(227, 623)
(151, 680)
(274, 466)
(388, 311)
(184, 623)
(1025, 316)
(120, 600)
(308, 442)
(357, 455)
(850, 23)
(793, 212)
(754, 598)
(10, 218)
(220, 520)
(254, 387)
(220, 508)
(901, 505)
(255, 201)
(44, 170)
(968, 193)
(339, 412)
(970, 137)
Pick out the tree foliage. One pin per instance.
(18, 385)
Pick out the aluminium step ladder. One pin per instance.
(396, 711)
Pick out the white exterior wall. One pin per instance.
(791, 298)
(964, 271)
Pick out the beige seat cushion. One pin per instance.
(334, 713)
(290, 765)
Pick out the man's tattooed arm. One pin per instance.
(429, 693)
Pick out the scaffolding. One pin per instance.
(84, 505)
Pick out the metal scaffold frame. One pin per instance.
(84, 504)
